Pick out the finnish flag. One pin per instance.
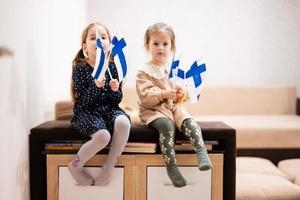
(176, 75)
(194, 78)
(100, 68)
(119, 56)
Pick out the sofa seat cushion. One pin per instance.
(260, 179)
(250, 186)
(61, 130)
(291, 167)
(257, 166)
(273, 131)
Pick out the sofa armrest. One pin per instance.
(298, 106)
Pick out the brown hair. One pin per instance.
(80, 58)
(159, 27)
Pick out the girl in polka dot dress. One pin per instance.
(96, 110)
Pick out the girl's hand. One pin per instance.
(100, 83)
(114, 85)
(179, 91)
(170, 94)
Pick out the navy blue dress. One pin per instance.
(95, 108)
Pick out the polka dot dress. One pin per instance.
(95, 108)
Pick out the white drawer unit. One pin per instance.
(61, 185)
(152, 181)
(159, 185)
(136, 177)
(68, 189)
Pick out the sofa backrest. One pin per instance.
(220, 100)
(223, 100)
(258, 100)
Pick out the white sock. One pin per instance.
(98, 141)
(119, 140)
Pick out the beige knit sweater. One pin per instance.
(151, 85)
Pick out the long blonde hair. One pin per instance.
(159, 27)
(80, 58)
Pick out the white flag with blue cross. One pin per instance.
(99, 68)
(194, 77)
(119, 56)
(176, 75)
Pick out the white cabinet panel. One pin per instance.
(159, 185)
(68, 190)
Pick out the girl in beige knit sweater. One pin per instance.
(157, 102)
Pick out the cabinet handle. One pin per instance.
(170, 184)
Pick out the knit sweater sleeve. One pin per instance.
(149, 94)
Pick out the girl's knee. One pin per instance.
(164, 124)
(164, 120)
(102, 136)
(122, 121)
(189, 122)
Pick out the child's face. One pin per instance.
(160, 47)
(90, 46)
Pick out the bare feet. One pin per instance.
(79, 175)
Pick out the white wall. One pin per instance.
(44, 35)
(249, 42)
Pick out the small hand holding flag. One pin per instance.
(191, 79)
(177, 76)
